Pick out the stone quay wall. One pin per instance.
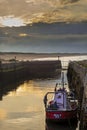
(77, 77)
(17, 70)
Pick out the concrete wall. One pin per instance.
(15, 70)
(77, 77)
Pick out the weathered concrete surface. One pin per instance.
(15, 70)
(77, 77)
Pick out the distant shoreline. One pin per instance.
(34, 53)
(31, 56)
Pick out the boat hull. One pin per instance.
(61, 115)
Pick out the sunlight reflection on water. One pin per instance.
(25, 109)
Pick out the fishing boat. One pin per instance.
(62, 106)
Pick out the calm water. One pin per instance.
(23, 108)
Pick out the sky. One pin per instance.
(21, 29)
(22, 12)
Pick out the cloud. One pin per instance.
(30, 11)
(68, 1)
(11, 21)
(65, 13)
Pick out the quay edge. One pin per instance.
(77, 78)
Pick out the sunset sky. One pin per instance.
(22, 12)
(18, 16)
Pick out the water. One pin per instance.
(23, 108)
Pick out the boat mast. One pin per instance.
(63, 79)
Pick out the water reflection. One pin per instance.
(22, 105)
(23, 86)
(5, 89)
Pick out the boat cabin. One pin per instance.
(60, 99)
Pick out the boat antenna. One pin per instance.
(56, 87)
(63, 79)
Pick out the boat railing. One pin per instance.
(45, 100)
